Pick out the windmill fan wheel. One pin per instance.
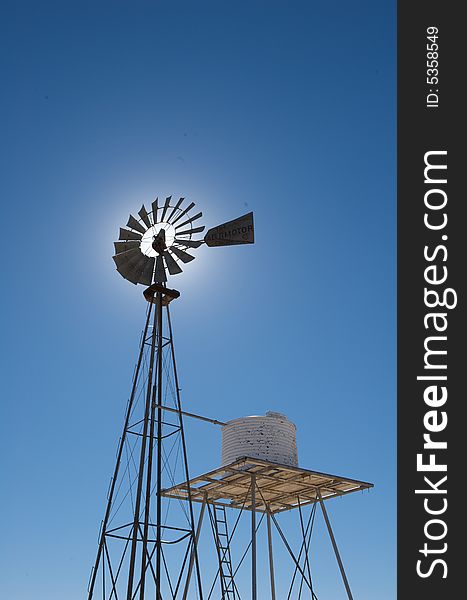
(157, 242)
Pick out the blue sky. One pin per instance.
(286, 109)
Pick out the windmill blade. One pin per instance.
(129, 235)
(166, 206)
(172, 264)
(190, 231)
(160, 275)
(143, 213)
(124, 246)
(138, 265)
(135, 267)
(127, 256)
(124, 271)
(147, 273)
(189, 207)
(155, 208)
(198, 216)
(176, 207)
(134, 224)
(130, 257)
(182, 255)
(130, 264)
(188, 243)
(238, 231)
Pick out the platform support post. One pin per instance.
(253, 538)
(271, 556)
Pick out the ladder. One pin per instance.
(226, 573)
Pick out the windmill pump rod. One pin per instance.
(188, 414)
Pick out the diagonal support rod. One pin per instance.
(289, 549)
(192, 556)
(185, 455)
(334, 545)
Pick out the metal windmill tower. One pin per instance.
(141, 526)
(151, 538)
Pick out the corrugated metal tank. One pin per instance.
(271, 437)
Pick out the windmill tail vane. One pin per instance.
(160, 240)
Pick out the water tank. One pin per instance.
(271, 437)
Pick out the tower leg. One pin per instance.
(271, 557)
(150, 392)
(334, 545)
(159, 449)
(119, 458)
(139, 491)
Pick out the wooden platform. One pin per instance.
(279, 487)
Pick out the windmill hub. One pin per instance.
(151, 241)
(158, 243)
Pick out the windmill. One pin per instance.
(159, 240)
(150, 537)
(138, 531)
